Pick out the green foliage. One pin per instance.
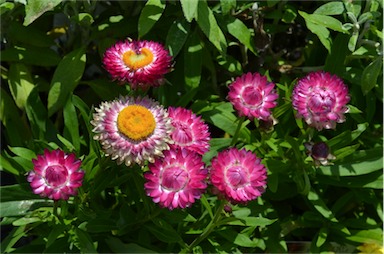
(54, 78)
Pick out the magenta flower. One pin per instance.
(176, 180)
(253, 96)
(238, 175)
(320, 98)
(56, 175)
(140, 63)
(189, 132)
(132, 130)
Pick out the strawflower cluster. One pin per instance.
(171, 142)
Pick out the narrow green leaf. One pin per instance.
(25, 221)
(189, 9)
(37, 114)
(324, 20)
(334, 62)
(373, 180)
(370, 75)
(209, 26)
(163, 231)
(16, 130)
(17, 208)
(5, 7)
(230, 64)
(20, 83)
(12, 238)
(241, 32)
(67, 74)
(321, 236)
(85, 243)
(98, 225)
(366, 236)
(192, 62)
(5, 165)
(23, 152)
(34, 9)
(353, 41)
(320, 206)
(331, 8)
(28, 55)
(56, 231)
(16, 192)
(71, 124)
(117, 246)
(66, 143)
(150, 14)
(29, 35)
(322, 33)
(227, 6)
(177, 35)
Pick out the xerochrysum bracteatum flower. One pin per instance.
(253, 96)
(132, 130)
(140, 63)
(56, 175)
(176, 180)
(321, 98)
(189, 132)
(238, 174)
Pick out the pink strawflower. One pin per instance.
(189, 132)
(320, 98)
(253, 96)
(140, 63)
(56, 175)
(176, 180)
(238, 174)
(132, 130)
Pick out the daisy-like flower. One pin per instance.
(320, 98)
(190, 132)
(56, 175)
(140, 63)
(132, 130)
(238, 174)
(176, 180)
(253, 96)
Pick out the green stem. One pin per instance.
(55, 206)
(209, 228)
(237, 132)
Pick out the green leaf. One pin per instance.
(25, 221)
(321, 236)
(177, 35)
(98, 225)
(192, 62)
(334, 62)
(320, 206)
(12, 238)
(5, 7)
(189, 9)
(150, 14)
(241, 32)
(71, 124)
(322, 33)
(331, 8)
(34, 9)
(16, 192)
(208, 24)
(28, 55)
(56, 231)
(23, 152)
(17, 208)
(353, 41)
(117, 246)
(29, 35)
(5, 165)
(373, 180)
(230, 64)
(20, 83)
(227, 6)
(85, 243)
(370, 75)
(324, 20)
(163, 231)
(67, 74)
(366, 236)
(37, 114)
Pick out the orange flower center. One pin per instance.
(136, 122)
(136, 61)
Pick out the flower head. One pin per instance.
(140, 63)
(319, 152)
(56, 175)
(132, 130)
(238, 174)
(320, 98)
(176, 180)
(189, 132)
(253, 96)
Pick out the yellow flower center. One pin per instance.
(136, 61)
(136, 122)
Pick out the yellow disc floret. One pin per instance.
(136, 61)
(136, 122)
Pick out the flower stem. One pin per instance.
(209, 228)
(237, 132)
